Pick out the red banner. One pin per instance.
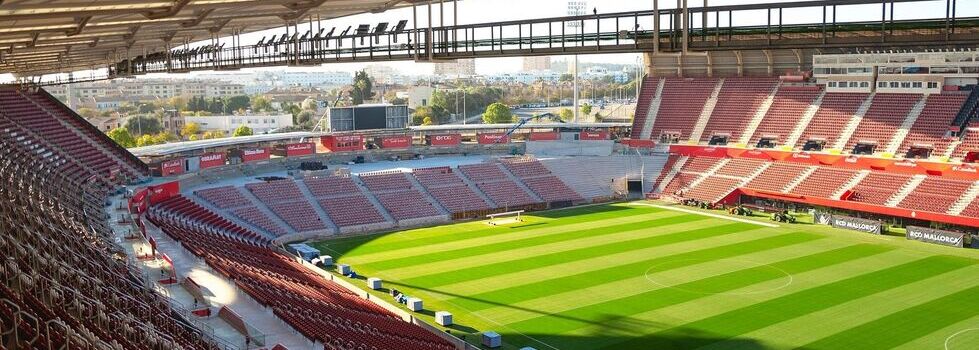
(162, 192)
(341, 143)
(401, 141)
(300, 149)
(545, 136)
(172, 167)
(255, 154)
(593, 135)
(137, 204)
(211, 160)
(637, 143)
(444, 140)
(491, 138)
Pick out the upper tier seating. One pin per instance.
(787, 109)
(835, 112)
(680, 106)
(970, 143)
(824, 182)
(317, 308)
(777, 177)
(351, 210)
(933, 124)
(393, 181)
(331, 186)
(886, 114)
(878, 187)
(407, 204)
(224, 197)
(935, 194)
(646, 96)
(737, 103)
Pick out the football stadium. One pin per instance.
(785, 175)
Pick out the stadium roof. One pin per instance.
(44, 36)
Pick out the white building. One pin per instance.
(911, 72)
(260, 124)
(314, 79)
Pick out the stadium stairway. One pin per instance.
(804, 121)
(704, 117)
(652, 111)
(902, 131)
(472, 186)
(428, 196)
(967, 198)
(373, 200)
(228, 215)
(324, 217)
(265, 209)
(853, 123)
(763, 109)
(905, 190)
(799, 179)
(519, 183)
(666, 175)
(851, 184)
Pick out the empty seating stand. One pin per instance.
(824, 182)
(331, 186)
(541, 181)
(492, 181)
(777, 177)
(931, 129)
(646, 96)
(224, 197)
(407, 204)
(790, 103)
(737, 103)
(935, 194)
(878, 187)
(286, 200)
(835, 111)
(680, 106)
(445, 185)
(887, 112)
(351, 210)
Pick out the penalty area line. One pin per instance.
(688, 211)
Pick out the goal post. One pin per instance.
(504, 217)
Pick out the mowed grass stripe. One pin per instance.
(577, 281)
(731, 324)
(503, 235)
(584, 266)
(474, 230)
(533, 262)
(840, 318)
(474, 252)
(906, 325)
(664, 297)
(474, 261)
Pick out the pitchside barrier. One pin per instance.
(849, 222)
(935, 236)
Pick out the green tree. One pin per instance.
(145, 140)
(362, 89)
(586, 109)
(243, 130)
(566, 77)
(190, 129)
(213, 134)
(435, 115)
(143, 125)
(497, 113)
(305, 117)
(566, 114)
(122, 137)
(310, 104)
(261, 104)
(236, 103)
(125, 108)
(427, 121)
(146, 108)
(216, 106)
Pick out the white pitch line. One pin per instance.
(947, 340)
(706, 214)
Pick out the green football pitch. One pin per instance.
(634, 276)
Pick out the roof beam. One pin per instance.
(81, 26)
(173, 10)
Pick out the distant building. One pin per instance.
(457, 68)
(260, 124)
(420, 96)
(537, 64)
